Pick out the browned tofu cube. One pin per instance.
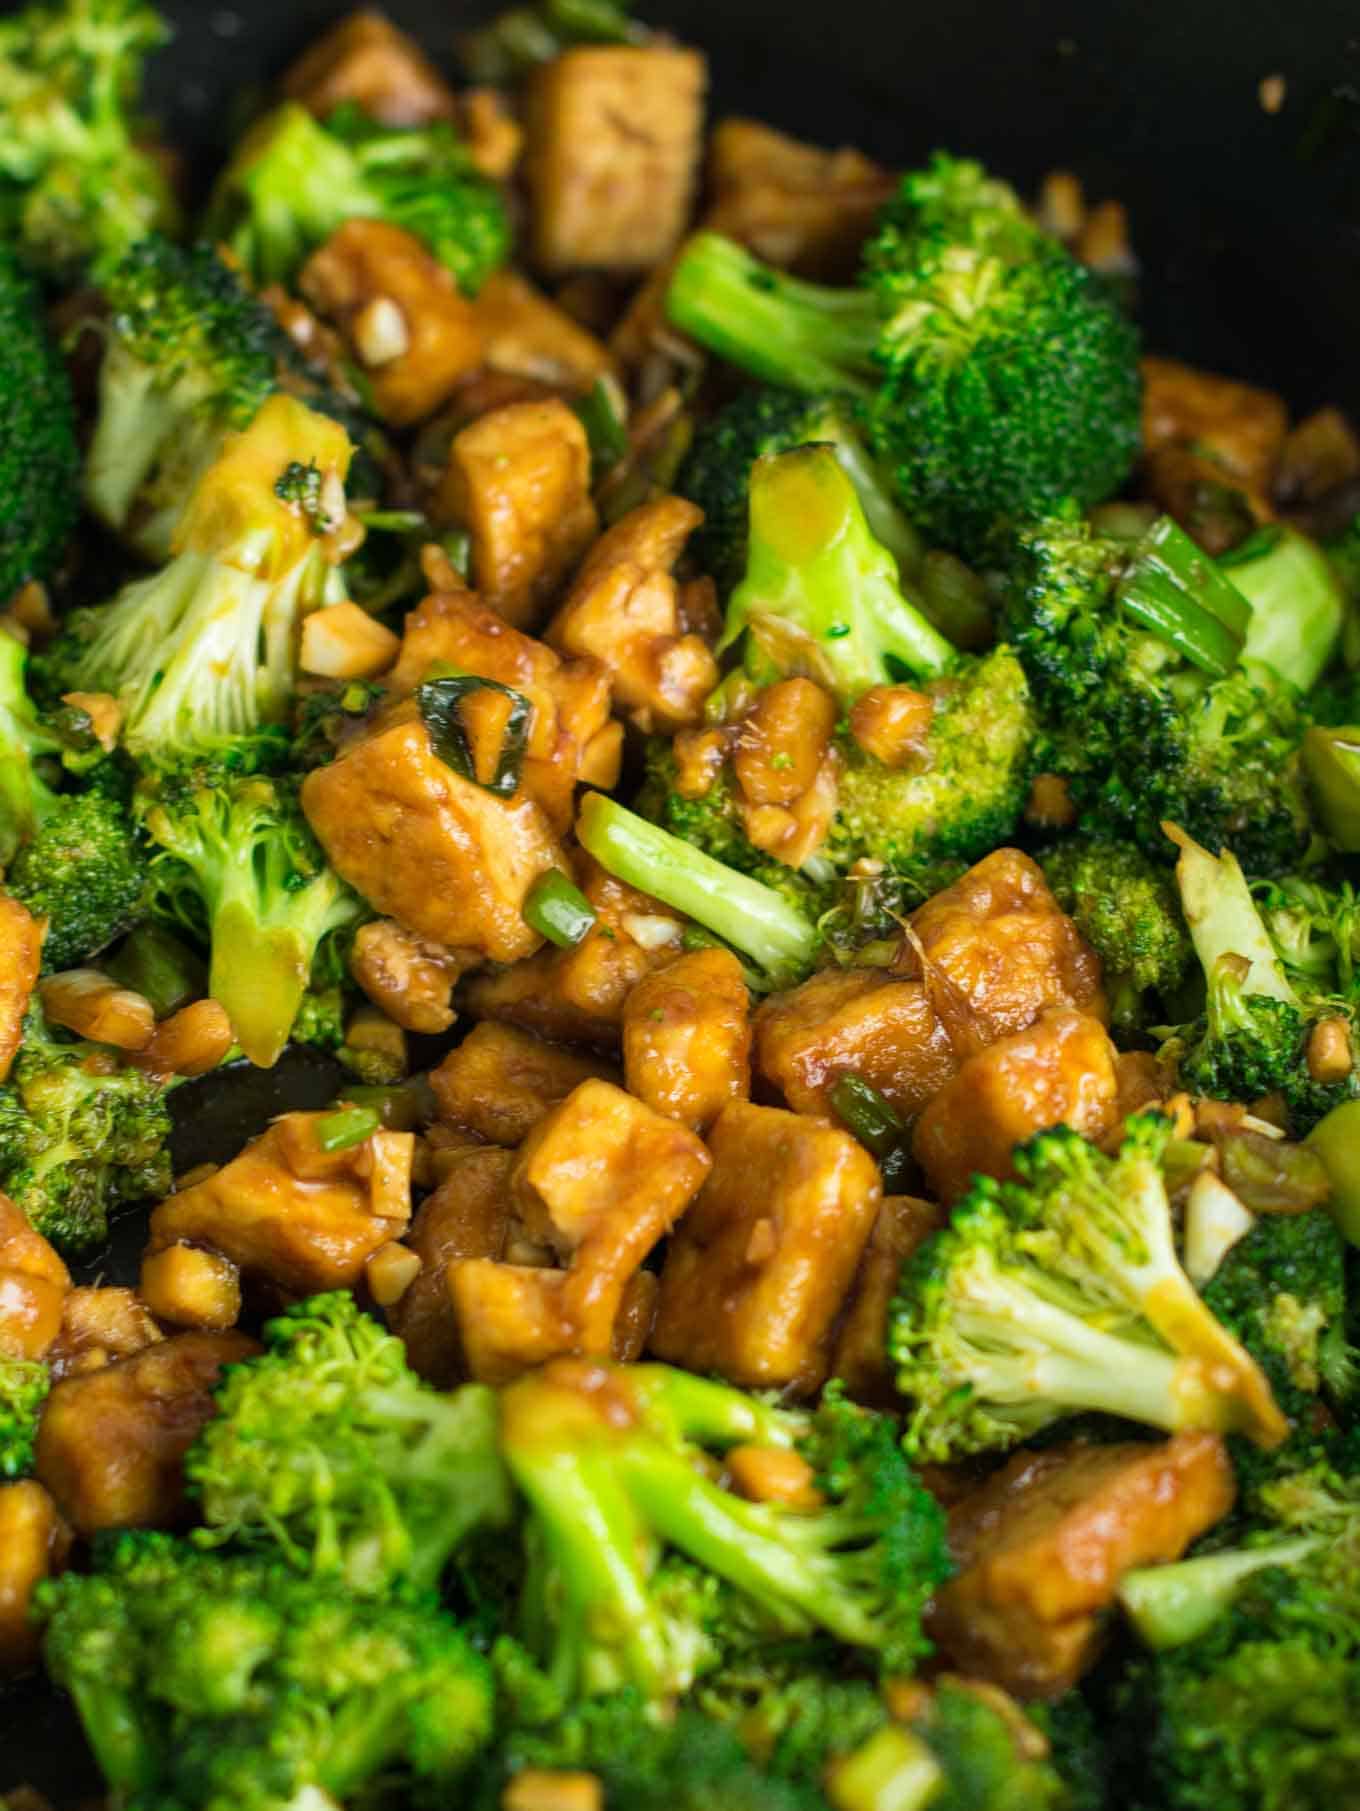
(187, 1287)
(793, 204)
(515, 1317)
(34, 1542)
(1062, 1071)
(599, 1181)
(467, 1216)
(1041, 1547)
(525, 335)
(111, 1443)
(1007, 950)
(518, 480)
(33, 1286)
(442, 855)
(757, 1270)
(366, 60)
(611, 154)
(845, 1021)
(21, 941)
(301, 1225)
(860, 1358)
(99, 1326)
(1227, 434)
(687, 1037)
(412, 331)
(408, 978)
(501, 1081)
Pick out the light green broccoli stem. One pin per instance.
(1224, 921)
(817, 573)
(893, 1771)
(752, 918)
(1171, 1605)
(1298, 604)
(21, 738)
(775, 326)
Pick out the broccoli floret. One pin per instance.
(760, 923)
(760, 422)
(240, 868)
(992, 372)
(231, 1684)
(80, 1137)
(1134, 658)
(1126, 906)
(24, 1383)
(794, 1712)
(294, 181)
(609, 1462)
(205, 652)
(39, 461)
(1253, 1702)
(1061, 1292)
(76, 186)
(1254, 1034)
(331, 1452)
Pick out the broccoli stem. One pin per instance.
(1223, 919)
(814, 567)
(1170, 1605)
(1331, 761)
(1298, 604)
(893, 1771)
(1173, 588)
(777, 327)
(1336, 1139)
(744, 913)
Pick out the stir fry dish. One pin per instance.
(800, 793)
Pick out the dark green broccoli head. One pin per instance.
(39, 462)
(82, 870)
(230, 1684)
(1142, 734)
(76, 186)
(1126, 907)
(24, 1384)
(330, 1451)
(80, 1137)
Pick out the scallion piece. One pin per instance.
(350, 1126)
(558, 910)
(1174, 589)
(873, 1119)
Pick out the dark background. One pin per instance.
(1247, 226)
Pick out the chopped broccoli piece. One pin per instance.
(76, 185)
(993, 374)
(1253, 1037)
(295, 180)
(608, 1459)
(230, 1684)
(24, 1383)
(80, 1137)
(330, 1452)
(1298, 603)
(1142, 732)
(204, 652)
(1126, 906)
(39, 461)
(1059, 1293)
(83, 870)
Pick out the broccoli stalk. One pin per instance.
(1061, 1292)
(330, 1452)
(609, 1461)
(294, 181)
(755, 920)
(39, 459)
(1298, 603)
(1170, 1605)
(76, 186)
(227, 1682)
(204, 652)
(24, 739)
(991, 372)
(24, 1383)
(819, 583)
(80, 1137)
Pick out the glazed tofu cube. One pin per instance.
(687, 1037)
(757, 1270)
(514, 1317)
(33, 1286)
(500, 1081)
(21, 941)
(33, 1545)
(467, 1216)
(411, 330)
(526, 335)
(408, 978)
(100, 1325)
(1041, 1547)
(1062, 1071)
(439, 853)
(111, 1443)
(861, 1354)
(599, 1181)
(612, 154)
(518, 480)
(368, 61)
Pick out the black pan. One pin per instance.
(1246, 222)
